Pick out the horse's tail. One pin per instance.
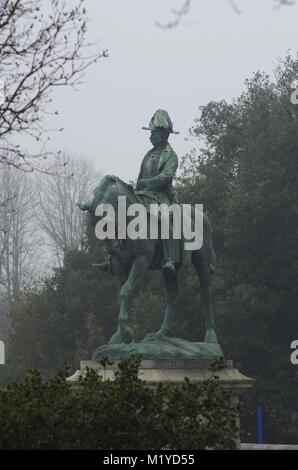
(208, 245)
(213, 259)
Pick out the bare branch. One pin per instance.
(281, 3)
(185, 8)
(40, 49)
(178, 15)
(235, 7)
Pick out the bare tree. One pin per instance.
(43, 45)
(19, 245)
(58, 216)
(179, 13)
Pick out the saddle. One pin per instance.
(181, 256)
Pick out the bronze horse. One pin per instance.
(130, 259)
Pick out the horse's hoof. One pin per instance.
(210, 337)
(162, 332)
(116, 338)
(127, 334)
(123, 335)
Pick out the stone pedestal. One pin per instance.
(164, 370)
(174, 371)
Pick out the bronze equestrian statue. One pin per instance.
(130, 259)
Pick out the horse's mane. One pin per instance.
(111, 179)
(128, 186)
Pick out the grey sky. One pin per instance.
(206, 58)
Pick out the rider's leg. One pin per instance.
(168, 264)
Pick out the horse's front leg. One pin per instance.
(124, 333)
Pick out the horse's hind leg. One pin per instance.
(171, 293)
(204, 276)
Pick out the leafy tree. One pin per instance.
(69, 316)
(121, 414)
(246, 176)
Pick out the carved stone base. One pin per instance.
(174, 371)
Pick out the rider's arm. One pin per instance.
(165, 177)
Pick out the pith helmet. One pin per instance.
(161, 120)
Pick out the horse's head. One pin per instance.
(107, 192)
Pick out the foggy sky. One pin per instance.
(206, 58)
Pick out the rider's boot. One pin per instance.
(168, 264)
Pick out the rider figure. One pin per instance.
(157, 172)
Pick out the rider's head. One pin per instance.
(161, 127)
(159, 136)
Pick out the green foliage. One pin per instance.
(68, 317)
(8, 373)
(120, 414)
(246, 176)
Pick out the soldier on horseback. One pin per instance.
(129, 261)
(158, 169)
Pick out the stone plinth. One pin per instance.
(158, 371)
(167, 371)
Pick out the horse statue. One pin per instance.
(130, 259)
